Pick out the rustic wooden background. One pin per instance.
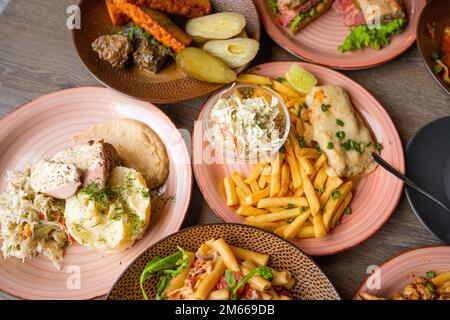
(37, 57)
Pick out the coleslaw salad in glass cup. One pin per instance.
(246, 123)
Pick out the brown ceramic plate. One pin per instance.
(310, 282)
(435, 11)
(169, 85)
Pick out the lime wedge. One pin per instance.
(300, 79)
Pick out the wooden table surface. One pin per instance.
(37, 57)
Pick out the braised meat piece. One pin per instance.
(150, 57)
(115, 49)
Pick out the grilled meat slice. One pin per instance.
(156, 23)
(186, 8)
(57, 180)
(95, 159)
(151, 57)
(115, 49)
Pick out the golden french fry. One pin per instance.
(285, 176)
(254, 186)
(254, 79)
(276, 93)
(299, 127)
(255, 173)
(294, 227)
(262, 182)
(293, 164)
(341, 209)
(285, 202)
(320, 162)
(255, 197)
(276, 174)
(250, 211)
(267, 171)
(292, 115)
(241, 197)
(305, 165)
(306, 232)
(299, 192)
(280, 230)
(277, 216)
(269, 226)
(285, 90)
(319, 227)
(320, 179)
(332, 184)
(334, 202)
(310, 194)
(230, 192)
(275, 209)
(237, 179)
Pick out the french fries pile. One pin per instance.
(290, 194)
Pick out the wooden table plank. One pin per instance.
(37, 57)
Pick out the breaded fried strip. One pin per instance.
(117, 17)
(186, 8)
(156, 23)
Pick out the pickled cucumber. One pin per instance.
(234, 52)
(200, 65)
(223, 25)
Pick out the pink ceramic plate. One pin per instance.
(45, 126)
(395, 274)
(320, 40)
(376, 195)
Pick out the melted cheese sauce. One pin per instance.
(336, 128)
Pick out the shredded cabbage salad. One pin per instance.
(247, 126)
(31, 223)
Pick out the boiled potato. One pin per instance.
(200, 65)
(110, 219)
(234, 52)
(223, 25)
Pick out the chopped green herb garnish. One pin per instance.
(290, 206)
(283, 149)
(302, 209)
(281, 79)
(290, 220)
(437, 68)
(312, 12)
(431, 274)
(348, 211)
(335, 194)
(430, 287)
(325, 107)
(435, 55)
(301, 142)
(378, 146)
(339, 122)
(317, 147)
(330, 146)
(321, 190)
(340, 134)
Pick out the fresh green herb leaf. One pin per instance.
(289, 221)
(317, 147)
(273, 6)
(339, 122)
(321, 190)
(330, 146)
(168, 266)
(376, 37)
(290, 206)
(161, 286)
(348, 211)
(281, 79)
(430, 287)
(230, 279)
(437, 69)
(261, 271)
(302, 209)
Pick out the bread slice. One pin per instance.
(186, 8)
(156, 23)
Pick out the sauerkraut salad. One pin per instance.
(247, 124)
(31, 223)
